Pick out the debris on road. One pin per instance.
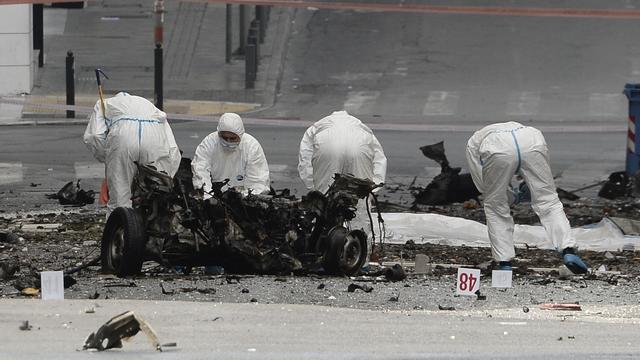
(354, 287)
(118, 328)
(449, 186)
(8, 269)
(30, 292)
(446, 308)
(553, 306)
(24, 326)
(394, 273)
(8, 237)
(617, 186)
(73, 195)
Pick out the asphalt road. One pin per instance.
(460, 68)
(41, 159)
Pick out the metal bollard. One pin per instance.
(252, 38)
(228, 43)
(255, 24)
(242, 30)
(38, 32)
(250, 66)
(261, 16)
(632, 91)
(158, 76)
(70, 80)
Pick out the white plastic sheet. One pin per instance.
(453, 231)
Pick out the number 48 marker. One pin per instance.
(468, 281)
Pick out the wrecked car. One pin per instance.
(171, 225)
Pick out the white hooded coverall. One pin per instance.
(132, 130)
(245, 165)
(494, 154)
(340, 143)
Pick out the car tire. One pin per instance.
(123, 242)
(346, 251)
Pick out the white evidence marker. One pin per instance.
(52, 285)
(501, 278)
(468, 281)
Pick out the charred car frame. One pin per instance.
(268, 234)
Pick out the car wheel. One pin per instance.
(346, 251)
(123, 241)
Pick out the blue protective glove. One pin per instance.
(519, 194)
(524, 194)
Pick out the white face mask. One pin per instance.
(227, 145)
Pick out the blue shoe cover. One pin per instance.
(505, 265)
(575, 264)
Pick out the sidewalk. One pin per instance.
(117, 36)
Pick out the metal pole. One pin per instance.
(158, 9)
(242, 31)
(70, 80)
(229, 44)
(38, 32)
(632, 91)
(252, 39)
(158, 35)
(158, 76)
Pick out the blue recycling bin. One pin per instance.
(632, 91)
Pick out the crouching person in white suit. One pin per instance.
(230, 153)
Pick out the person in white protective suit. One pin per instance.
(230, 153)
(495, 154)
(131, 130)
(341, 143)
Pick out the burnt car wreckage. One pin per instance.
(264, 234)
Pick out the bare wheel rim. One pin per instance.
(352, 250)
(115, 247)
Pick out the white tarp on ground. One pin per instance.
(447, 230)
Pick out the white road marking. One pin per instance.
(635, 67)
(523, 103)
(349, 77)
(607, 104)
(11, 173)
(360, 102)
(282, 173)
(441, 103)
(89, 170)
(278, 168)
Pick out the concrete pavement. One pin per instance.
(278, 331)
